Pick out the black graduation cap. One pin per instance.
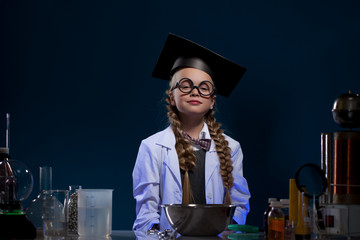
(179, 53)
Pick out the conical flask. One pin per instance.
(34, 210)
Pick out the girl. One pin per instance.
(191, 161)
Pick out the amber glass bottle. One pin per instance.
(276, 225)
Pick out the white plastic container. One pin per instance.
(94, 212)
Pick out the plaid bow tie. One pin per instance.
(203, 143)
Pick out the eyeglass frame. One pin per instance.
(177, 85)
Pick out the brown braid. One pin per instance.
(223, 151)
(186, 155)
(184, 150)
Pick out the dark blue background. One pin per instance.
(76, 78)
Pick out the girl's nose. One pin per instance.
(195, 93)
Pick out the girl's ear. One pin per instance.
(213, 98)
(172, 101)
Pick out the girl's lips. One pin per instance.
(194, 102)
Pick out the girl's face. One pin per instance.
(192, 104)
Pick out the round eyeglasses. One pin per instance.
(186, 85)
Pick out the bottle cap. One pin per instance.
(285, 202)
(275, 204)
(4, 150)
(271, 199)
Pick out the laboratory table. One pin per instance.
(138, 235)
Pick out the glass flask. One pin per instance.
(16, 183)
(35, 208)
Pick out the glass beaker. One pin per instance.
(35, 208)
(55, 213)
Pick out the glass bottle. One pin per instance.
(276, 225)
(35, 208)
(266, 213)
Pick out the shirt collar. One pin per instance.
(204, 133)
(167, 139)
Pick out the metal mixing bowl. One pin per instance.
(199, 219)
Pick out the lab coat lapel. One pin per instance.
(170, 159)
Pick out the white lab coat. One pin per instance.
(157, 180)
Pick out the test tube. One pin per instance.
(7, 131)
(327, 164)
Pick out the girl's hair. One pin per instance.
(186, 155)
